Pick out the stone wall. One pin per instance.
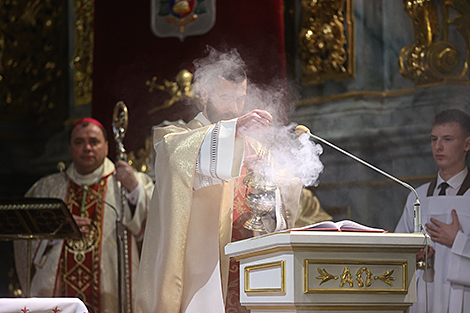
(385, 120)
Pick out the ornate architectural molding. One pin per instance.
(433, 58)
(33, 58)
(326, 40)
(33, 61)
(142, 159)
(371, 94)
(82, 61)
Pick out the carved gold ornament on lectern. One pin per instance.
(357, 276)
(325, 276)
(434, 58)
(326, 40)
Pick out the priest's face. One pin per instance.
(225, 101)
(449, 147)
(88, 148)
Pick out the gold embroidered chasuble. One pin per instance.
(161, 272)
(162, 268)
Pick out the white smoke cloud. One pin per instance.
(207, 70)
(297, 155)
(288, 152)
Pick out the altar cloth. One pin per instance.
(42, 305)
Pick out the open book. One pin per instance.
(344, 225)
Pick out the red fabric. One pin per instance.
(81, 259)
(127, 54)
(88, 120)
(240, 215)
(232, 302)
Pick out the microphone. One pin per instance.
(61, 168)
(301, 129)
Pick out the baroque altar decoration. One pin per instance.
(33, 61)
(178, 90)
(182, 18)
(326, 41)
(181, 89)
(436, 56)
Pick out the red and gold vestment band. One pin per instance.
(80, 266)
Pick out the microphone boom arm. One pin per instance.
(300, 129)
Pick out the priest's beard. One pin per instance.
(215, 113)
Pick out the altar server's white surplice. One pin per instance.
(448, 283)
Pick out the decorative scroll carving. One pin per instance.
(32, 60)
(325, 276)
(180, 89)
(326, 40)
(431, 60)
(82, 62)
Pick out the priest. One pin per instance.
(193, 211)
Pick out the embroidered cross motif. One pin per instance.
(25, 310)
(80, 278)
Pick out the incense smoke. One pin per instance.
(286, 152)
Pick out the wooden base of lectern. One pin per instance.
(314, 271)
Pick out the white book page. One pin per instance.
(344, 225)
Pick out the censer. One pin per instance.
(260, 198)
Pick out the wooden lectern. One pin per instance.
(36, 218)
(328, 271)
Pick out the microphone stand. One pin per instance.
(61, 168)
(300, 129)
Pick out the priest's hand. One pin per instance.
(125, 174)
(82, 223)
(422, 254)
(255, 121)
(444, 233)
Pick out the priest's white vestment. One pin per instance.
(183, 267)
